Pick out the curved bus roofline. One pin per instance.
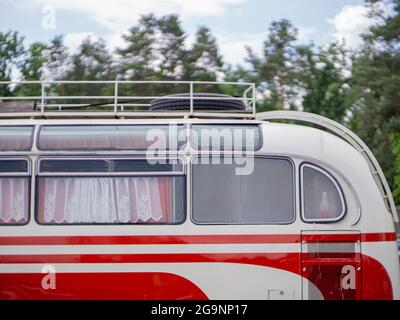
(349, 137)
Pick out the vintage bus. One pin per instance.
(190, 195)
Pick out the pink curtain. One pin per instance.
(14, 200)
(105, 200)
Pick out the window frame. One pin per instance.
(294, 194)
(28, 175)
(155, 125)
(31, 141)
(94, 174)
(302, 194)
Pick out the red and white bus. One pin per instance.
(188, 196)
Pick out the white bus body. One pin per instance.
(313, 220)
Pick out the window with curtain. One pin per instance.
(322, 198)
(14, 192)
(110, 192)
(266, 196)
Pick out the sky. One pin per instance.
(235, 23)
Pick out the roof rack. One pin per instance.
(119, 99)
(348, 136)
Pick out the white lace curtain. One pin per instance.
(105, 200)
(14, 200)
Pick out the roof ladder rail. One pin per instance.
(351, 138)
(132, 102)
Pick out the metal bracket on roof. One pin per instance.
(349, 137)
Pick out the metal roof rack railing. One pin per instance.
(349, 137)
(119, 99)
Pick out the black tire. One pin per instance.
(173, 104)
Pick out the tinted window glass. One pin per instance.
(226, 137)
(108, 137)
(321, 195)
(264, 197)
(13, 166)
(107, 165)
(16, 138)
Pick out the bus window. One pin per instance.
(14, 191)
(71, 191)
(266, 196)
(322, 198)
(226, 137)
(110, 137)
(16, 138)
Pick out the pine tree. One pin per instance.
(139, 56)
(31, 69)
(324, 76)
(275, 71)
(138, 59)
(171, 48)
(57, 58)
(203, 62)
(91, 62)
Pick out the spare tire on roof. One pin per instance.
(176, 102)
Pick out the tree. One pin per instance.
(324, 76)
(139, 56)
(375, 91)
(31, 69)
(91, 62)
(396, 151)
(171, 48)
(57, 60)
(11, 50)
(275, 71)
(203, 61)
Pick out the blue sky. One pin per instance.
(234, 22)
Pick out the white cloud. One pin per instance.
(233, 46)
(118, 15)
(306, 34)
(351, 22)
(73, 40)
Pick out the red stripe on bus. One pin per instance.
(287, 261)
(378, 237)
(100, 286)
(376, 283)
(193, 239)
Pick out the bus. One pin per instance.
(177, 190)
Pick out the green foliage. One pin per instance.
(138, 57)
(324, 81)
(275, 72)
(171, 48)
(374, 98)
(396, 152)
(203, 62)
(11, 49)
